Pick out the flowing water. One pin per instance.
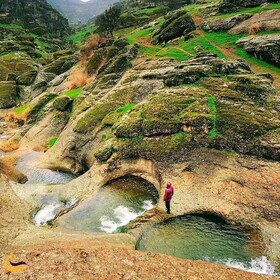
(114, 206)
(39, 175)
(197, 237)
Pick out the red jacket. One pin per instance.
(168, 194)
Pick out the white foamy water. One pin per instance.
(122, 216)
(48, 212)
(259, 265)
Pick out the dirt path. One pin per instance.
(229, 52)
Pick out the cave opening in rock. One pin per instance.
(27, 165)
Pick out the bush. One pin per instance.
(254, 28)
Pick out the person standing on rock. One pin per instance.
(169, 192)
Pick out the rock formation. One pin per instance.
(37, 16)
(266, 47)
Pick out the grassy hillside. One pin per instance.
(180, 49)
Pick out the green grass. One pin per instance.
(81, 34)
(224, 39)
(21, 109)
(124, 109)
(179, 136)
(213, 110)
(11, 26)
(73, 93)
(51, 142)
(148, 11)
(254, 10)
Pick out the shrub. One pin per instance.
(254, 28)
(78, 78)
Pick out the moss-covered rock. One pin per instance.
(94, 116)
(96, 61)
(62, 103)
(8, 94)
(62, 53)
(176, 25)
(119, 64)
(128, 20)
(161, 148)
(130, 126)
(27, 78)
(61, 65)
(256, 87)
(16, 63)
(35, 113)
(113, 102)
(105, 151)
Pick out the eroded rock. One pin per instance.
(265, 47)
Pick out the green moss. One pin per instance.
(104, 152)
(213, 110)
(121, 229)
(8, 94)
(129, 127)
(51, 142)
(21, 109)
(73, 93)
(94, 116)
(159, 148)
(96, 61)
(35, 113)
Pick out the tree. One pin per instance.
(109, 20)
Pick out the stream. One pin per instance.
(37, 175)
(113, 207)
(121, 201)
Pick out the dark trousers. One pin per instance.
(167, 205)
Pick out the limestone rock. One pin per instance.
(177, 24)
(264, 21)
(62, 103)
(266, 47)
(222, 24)
(27, 78)
(8, 94)
(227, 6)
(61, 65)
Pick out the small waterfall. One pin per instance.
(122, 216)
(259, 265)
(49, 211)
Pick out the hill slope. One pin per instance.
(77, 11)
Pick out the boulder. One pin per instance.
(27, 78)
(61, 65)
(62, 103)
(228, 6)
(176, 25)
(266, 47)
(264, 21)
(8, 94)
(223, 24)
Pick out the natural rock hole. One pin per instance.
(209, 238)
(113, 207)
(35, 175)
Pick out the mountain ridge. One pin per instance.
(77, 11)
